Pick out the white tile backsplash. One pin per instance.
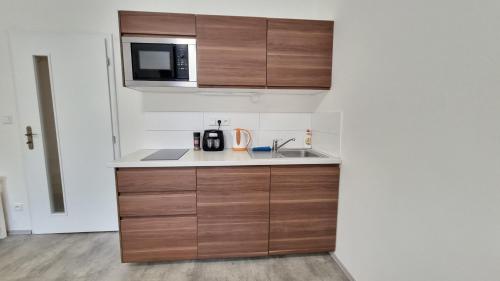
(326, 122)
(168, 139)
(175, 129)
(170, 121)
(326, 130)
(285, 121)
(249, 121)
(326, 142)
(266, 138)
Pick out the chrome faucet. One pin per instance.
(276, 147)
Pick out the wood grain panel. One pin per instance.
(303, 208)
(155, 179)
(231, 51)
(157, 204)
(233, 211)
(299, 53)
(158, 238)
(157, 23)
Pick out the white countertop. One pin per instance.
(227, 157)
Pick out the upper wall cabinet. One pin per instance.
(245, 52)
(231, 51)
(299, 53)
(157, 23)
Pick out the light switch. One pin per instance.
(7, 119)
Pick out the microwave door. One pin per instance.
(153, 61)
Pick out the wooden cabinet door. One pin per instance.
(303, 208)
(233, 211)
(150, 23)
(158, 238)
(231, 51)
(299, 53)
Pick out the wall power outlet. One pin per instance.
(224, 122)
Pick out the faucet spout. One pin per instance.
(276, 147)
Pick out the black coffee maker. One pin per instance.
(213, 140)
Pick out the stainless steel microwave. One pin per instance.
(159, 61)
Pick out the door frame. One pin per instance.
(113, 95)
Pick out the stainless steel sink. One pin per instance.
(287, 153)
(300, 153)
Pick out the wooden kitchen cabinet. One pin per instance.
(303, 208)
(150, 23)
(299, 53)
(222, 212)
(246, 52)
(231, 51)
(233, 211)
(158, 238)
(157, 210)
(157, 204)
(155, 179)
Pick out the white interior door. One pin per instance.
(70, 187)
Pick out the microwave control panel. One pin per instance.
(182, 62)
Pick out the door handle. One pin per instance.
(29, 135)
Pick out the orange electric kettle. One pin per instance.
(241, 139)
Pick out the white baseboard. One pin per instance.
(342, 267)
(19, 232)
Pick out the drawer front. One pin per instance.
(157, 204)
(155, 179)
(302, 236)
(158, 239)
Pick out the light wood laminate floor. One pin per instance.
(95, 256)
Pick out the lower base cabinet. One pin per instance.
(234, 212)
(303, 215)
(158, 238)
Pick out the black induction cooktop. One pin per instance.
(166, 154)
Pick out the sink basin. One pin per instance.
(287, 153)
(300, 153)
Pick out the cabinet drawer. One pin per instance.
(158, 239)
(157, 204)
(302, 236)
(155, 179)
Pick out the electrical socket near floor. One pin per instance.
(19, 207)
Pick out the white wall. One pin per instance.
(419, 86)
(101, 16)
(11, 166)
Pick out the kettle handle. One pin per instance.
(249, 136)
